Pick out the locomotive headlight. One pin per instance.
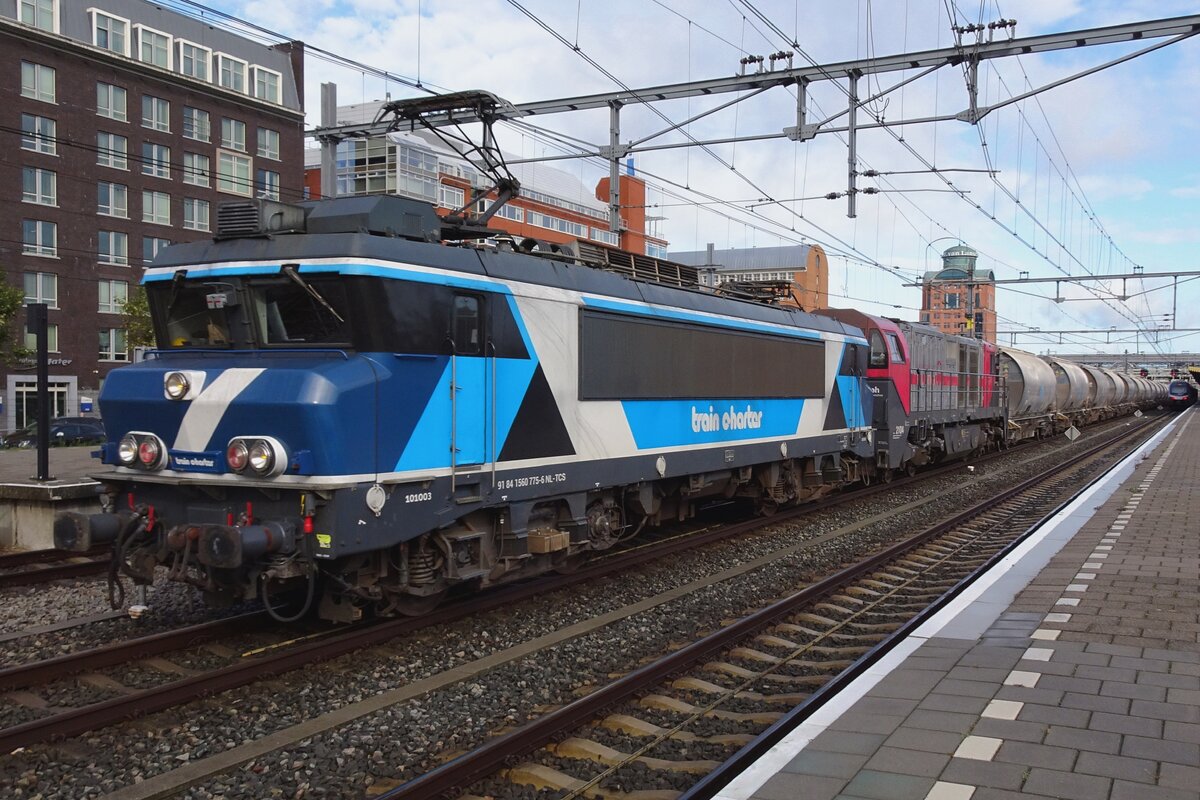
(176, 385)
(237, 454)
(141, 449)
(262, 457)
(127, 450)
(149, 452)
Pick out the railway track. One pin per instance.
(42, 566)
(679, 721)
(278, 657)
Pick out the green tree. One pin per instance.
(12, 337)
(135, 311)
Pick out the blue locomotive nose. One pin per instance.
(307, 406)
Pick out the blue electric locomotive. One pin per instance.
(342, 403)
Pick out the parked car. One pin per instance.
(64, 431)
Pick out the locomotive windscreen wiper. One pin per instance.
(176, 285)
(290, 271)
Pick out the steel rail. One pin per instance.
(464, 770)
(54, 572)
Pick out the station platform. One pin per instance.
(1071, 670)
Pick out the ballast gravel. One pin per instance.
(402, 741)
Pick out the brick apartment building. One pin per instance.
(805, 266)
(123, 125)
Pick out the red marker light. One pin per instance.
(308, 524)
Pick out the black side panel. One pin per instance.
(634, 358)
(835, 417)
(538, 430)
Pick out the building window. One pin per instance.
(113, 247)
(450, 196)
(231, 72)
(41, 287)
(109, 32)
(268, 144)
(39, 134)
(113, 295)
(951, 300)
(196, 124)
(156, 160)
(194, 60)
(656, 250)
(51, 338)
(555, 223)
(37, 81)
(607, 237)
(267, 184)
(233, 134)
(233, 173)
(195, 214)
(39, 186)
(39, 238)
(111, 150)
(368, 166)
(196, 169)
(266, 84)
(112, 199)
(416, 171)
(112, 345)
(110, 102)
(156, 207)
(151, 245)
(39, 14)
(156, 113)
(154, 47)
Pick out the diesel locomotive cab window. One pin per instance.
(879, 356)
(305, 310)
(897, 350)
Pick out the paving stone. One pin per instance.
(869, 723)
(940, 721)
(885, 705)
(1118, 723)
(908, 762)
(1064, 785)
(1029, 754)
(1117, 767)
(927, 741)
(835, 741)
(1052, 715)
(1181, 732)
(984, 773)
(1128, 790)
(1076, 739)
(953, 702)
(788, 786)
(1184, 753)
(873, 785)
(1133, 691)
(1095, 702)
(1177, 776)
(825, 764)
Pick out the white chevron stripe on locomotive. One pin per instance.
(205, 412)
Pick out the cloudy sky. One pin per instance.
(1104, 168)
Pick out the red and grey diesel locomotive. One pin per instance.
(346, 403)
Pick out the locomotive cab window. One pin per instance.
(879, 356)
(193, 315)
(897, 349)
(466, 330)
(313, 311)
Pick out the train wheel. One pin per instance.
(885, 476)
(411, 605)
